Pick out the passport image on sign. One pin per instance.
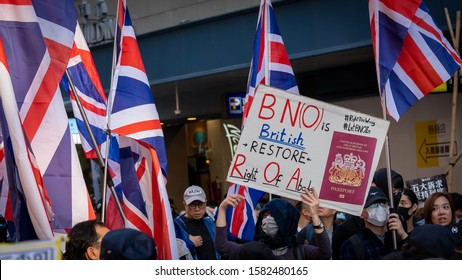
(348, 166)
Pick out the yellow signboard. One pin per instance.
(431, 143)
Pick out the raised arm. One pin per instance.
(232, 200)
(323, 249)
(222, 245)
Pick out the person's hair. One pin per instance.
(430, 202)
(81, 236)
(456, 200)
(411, 195)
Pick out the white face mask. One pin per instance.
(269, 226)
(377, 214)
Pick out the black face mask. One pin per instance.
(403, 213)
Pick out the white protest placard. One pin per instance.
(291, 142)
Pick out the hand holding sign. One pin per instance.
(310, 198)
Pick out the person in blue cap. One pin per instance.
(371, 242)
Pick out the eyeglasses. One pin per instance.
(377, 204)
(193, 205)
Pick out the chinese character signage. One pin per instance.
(424, 187)
(432, 143)
(291, 142)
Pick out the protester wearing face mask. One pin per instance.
(275, 232)
(371, 242)
(403, 220)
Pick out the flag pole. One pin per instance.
(267, 44)
(108, 181)
(455, 42)
(267, 54)
(108, 116)
(388, 163)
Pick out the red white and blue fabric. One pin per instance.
(86, 81)
(128, 168)
(83, 73)
(143, 163)
(133, 112)
(48, 26)
(412, 55)
(270, 66)
(85, 78)
(33, 220)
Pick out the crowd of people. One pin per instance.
(295, 231)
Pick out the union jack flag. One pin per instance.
(133, 111)
(85, 78)
(143, 162)
(49, 26)
(33, 220)
(270, 66)
(412, 55)
(87, 84)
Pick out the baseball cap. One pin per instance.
(194, 193)
(375, 194)
(127, 244)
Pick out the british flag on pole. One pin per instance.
(143, 162)
(412, 55)
(85, 78)
(32, 205)
(270, 66)
(49, 27)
